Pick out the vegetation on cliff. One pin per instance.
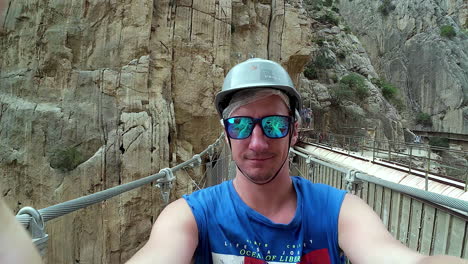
(447, 31)
(351, 87)
(423, 119)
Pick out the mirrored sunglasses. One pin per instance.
(241, 127)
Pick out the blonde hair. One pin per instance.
(251, 95)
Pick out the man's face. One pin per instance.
(258, 156)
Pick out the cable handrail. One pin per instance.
(401, 153)
(327, 136)
(447, 201)
(70, 206)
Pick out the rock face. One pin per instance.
(404, 42)
(95, 94)
(85, 106)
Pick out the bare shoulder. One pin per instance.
(177, 213)
(174, 236)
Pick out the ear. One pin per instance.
(224, 130)
(295, 134)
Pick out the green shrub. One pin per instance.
(362, 92)
(336, 9)
(340, 93)
(320, 62)
(324, 62)
(312, 5)
(320, 41)
(347, 30)
(328, 3)
(356, 83)
(329, 18)
(447, 31)
(388, 90)
(310, 72)
(353, 86)
(386, 7)
(423, 119)
(439, 142)
(66, 159)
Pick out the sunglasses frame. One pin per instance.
(255, 122)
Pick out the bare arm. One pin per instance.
(173, 239)
(364, 238)
(15, 244)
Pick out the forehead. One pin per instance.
(270, 105)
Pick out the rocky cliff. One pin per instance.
(94, 94)
(421, 47)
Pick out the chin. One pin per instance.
(260, 176)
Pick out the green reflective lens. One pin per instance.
(241, 127)
(275, 126)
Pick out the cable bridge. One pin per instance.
(422, 208)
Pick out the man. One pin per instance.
(264, 215)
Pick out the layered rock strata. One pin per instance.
(95, 94)
(406, 46)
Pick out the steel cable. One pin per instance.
(447, 201)
(67, 207)
(430, 196)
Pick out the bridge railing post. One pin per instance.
(389, 151)
(349, 145)
(428, 167)
(410, 157)
(373, 150)
(363, 143)
(466, 179)
(353, 184)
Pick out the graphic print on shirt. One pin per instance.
(258, 253)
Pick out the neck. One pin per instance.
(275, 200)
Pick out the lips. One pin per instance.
(259, 158)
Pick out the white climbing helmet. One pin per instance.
(256, 73)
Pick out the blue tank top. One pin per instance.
(231, 232)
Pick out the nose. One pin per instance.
(258, 140)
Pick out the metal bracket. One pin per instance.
(165, 184)
(310, 167)
(197, 162)
(36, 228)
(291, 154)
(211, 152)
(353, 184)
